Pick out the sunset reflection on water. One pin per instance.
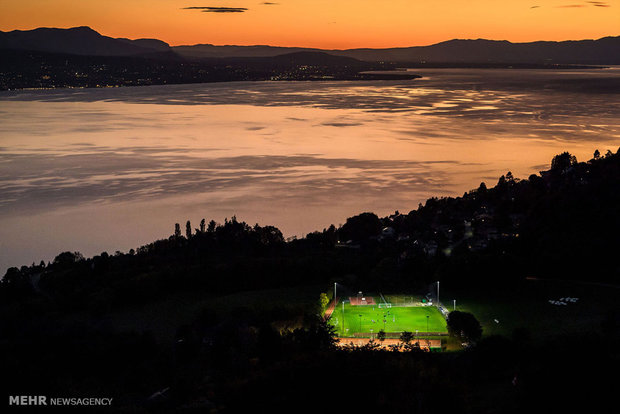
(96, 170)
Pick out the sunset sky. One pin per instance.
(322, 23)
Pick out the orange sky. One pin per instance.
(323, 23)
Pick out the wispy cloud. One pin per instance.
(268, 3)
(535, 7)
(210, 9)
(586, 4)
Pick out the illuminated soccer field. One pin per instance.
(363, 319)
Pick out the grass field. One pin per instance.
(525, 305)
(399, 319)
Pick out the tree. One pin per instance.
(360, 227)
(188, 230)
(381, 335)
(597, 154)
(68, 258)
(177, 230)
(202, 225)
(16, 282)
(563, 161)
(501, 182)
(406, 337)
(323, 302)
(371, 346)
(464, 325)
(268, 235)
(212, 226)
(318, 335)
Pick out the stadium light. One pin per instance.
(438, 304)
(454, 304)
(335, 296)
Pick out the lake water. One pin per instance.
(95, 170)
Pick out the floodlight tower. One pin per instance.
(335, 296)
(343, 331)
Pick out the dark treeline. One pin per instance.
(561, 224)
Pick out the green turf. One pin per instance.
(525, 304)
(399, 319)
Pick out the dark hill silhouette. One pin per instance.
(78, 41)
(212, 51)
(86, 41)
(289, 60)
(36, 69)
(602, 51)
(315, 58)
(154, 44)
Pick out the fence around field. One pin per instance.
(329, 310)
(443, 310)
(393, 335)
(334, 314)
(404, 300)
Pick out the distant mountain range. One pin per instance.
(601, 51)
(85, 41)
(78, 41)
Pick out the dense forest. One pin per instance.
(561, 224)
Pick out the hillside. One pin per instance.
(31, 69)
(78, 41)
(553, 225)
(86, 41)
(192, 322)
(604, 51)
